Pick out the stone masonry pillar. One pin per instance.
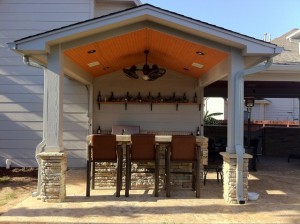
(53, 169)
(229, 177)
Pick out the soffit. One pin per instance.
(166, 51)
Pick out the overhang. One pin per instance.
(118, 40)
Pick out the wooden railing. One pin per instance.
(276, 123)
(264, 123)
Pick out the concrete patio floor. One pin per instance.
(277, 182)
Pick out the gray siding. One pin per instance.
(21, 87)
(75, 122)
(107, 7)
(282, 109)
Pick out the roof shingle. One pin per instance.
(290, 54)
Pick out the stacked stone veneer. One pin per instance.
(229, 175)
(105, 175)
(53, 169)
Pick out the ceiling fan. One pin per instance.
(149, 74)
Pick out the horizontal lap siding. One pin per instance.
(282, 109)
(103, 8)
(75, 122)
(163, 117)
(21, 87)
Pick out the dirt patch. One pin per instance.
(16, 184)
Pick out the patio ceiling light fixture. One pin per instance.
(148, 73)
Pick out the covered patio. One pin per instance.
(194, 54)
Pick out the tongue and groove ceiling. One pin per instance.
(167, 51)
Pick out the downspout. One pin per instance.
(239, 148)
(41, 146)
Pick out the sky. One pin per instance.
(249, 17)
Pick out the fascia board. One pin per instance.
(277, 68)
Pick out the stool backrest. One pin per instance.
(103, 147)
(183, 147)
(143, 147)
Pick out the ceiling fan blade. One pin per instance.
(162, 71)
(131, 72)
(159, 72)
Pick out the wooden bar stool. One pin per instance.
(103, 148)
(183, 148)
(142, 149)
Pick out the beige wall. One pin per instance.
(163, 117)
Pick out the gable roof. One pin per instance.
(75, 39)
(211, 26)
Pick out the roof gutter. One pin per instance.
(27, 62)
(239, 148)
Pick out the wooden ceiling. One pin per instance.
(166, 51)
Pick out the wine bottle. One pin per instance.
(184, 98)
(195, 98)
(149, 97)
(99, 130)
(139, 98)
(112, 97)
(198, 131)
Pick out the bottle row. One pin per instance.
(149, 98)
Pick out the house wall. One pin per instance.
(21, 87)
(163, 117)
(282, 109)
(104, 7)
(278, 109)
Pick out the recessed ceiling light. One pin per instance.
(197, 65)
(199, 53)
(91, 51)
(186, 69)
(93, 64)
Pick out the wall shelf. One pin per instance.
(149, 103)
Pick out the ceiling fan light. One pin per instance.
(154, 67)
(149, 74)
(146, 69)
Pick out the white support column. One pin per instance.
(235, 165)
(55, 82)
(53, 159)
(235, 103)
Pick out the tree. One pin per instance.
(209, 118)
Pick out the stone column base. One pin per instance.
(229, 175)
(53, 174)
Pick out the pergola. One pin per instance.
(119, 40)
